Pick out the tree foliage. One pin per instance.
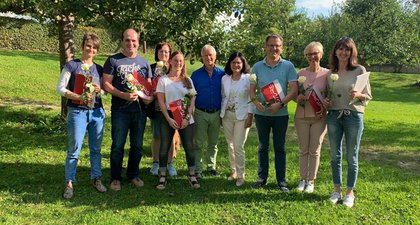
(260, 18)
(383, 31)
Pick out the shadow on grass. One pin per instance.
(22, 128)
(385, 88)
(396, 134)
(38, 56)
(33, 183)
(18, 101)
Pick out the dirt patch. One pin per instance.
(405, 160)
(26, 103)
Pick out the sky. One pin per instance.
(314, 8)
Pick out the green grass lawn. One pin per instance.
(33, 144)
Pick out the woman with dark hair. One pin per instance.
(236, 113)
(172, 87)
(345, 115)
(163, 51)
(85, 112)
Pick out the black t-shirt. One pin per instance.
(119, 66)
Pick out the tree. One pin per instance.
(260, 18)
(383, 31)
(188, 23)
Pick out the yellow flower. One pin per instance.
(160, 64)
(334, 77)
(129, 77)
(253, 78)
(85, 67)
(193, 92)
(301, 79)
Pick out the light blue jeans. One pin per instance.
(80, 121)
(349, 124)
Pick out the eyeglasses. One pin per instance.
(312, 54)
(163, 52)
(274, 46)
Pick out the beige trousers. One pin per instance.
(310, 133)
(236, 135)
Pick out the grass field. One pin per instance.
(33, 144)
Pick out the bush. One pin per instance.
(29, 35)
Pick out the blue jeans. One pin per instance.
(279, 126)
(122, 122)
(351, 126)
(80, 120)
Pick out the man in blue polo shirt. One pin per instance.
(127, 110)
(207, 81)
(275, 116)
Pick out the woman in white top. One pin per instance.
(236, 113)
(175, 85)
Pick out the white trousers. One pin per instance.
(236, 135)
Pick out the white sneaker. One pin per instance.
(310, 186)
(240, 182)
(301, 185)
(155, 169)
(171, 170)
(335, 197)
(348, 201)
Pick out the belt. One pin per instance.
(208, 110)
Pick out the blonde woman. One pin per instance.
(310, 125)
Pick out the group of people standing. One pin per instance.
(231, 97)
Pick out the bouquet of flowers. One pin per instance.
(137, 84)
(253, 80)
(161, 70)
(301, 90)
(272, 92)
(179, 108)
(330, 91)
(89, 89)
(187, 99)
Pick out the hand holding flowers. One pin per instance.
(89, 93)
(187, 102)
(301, 91)
(161, 68)
(330, 91)
(253, 81)
(133, 86)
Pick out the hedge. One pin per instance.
(33, 36)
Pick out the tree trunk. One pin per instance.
(65, 25)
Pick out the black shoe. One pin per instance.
(283, 186)
(260, 183)
(213, 173)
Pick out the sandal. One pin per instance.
(194, 183)
(162, 182)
